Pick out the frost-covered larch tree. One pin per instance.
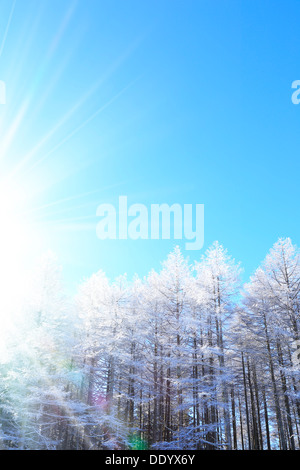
(273, 296)
(182, 359)
(217, 280)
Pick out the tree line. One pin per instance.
(186, 358)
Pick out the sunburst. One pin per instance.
(33, 158)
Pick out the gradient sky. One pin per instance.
(159, 100)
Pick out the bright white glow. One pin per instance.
(15, 242)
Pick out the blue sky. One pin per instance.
(163, 101)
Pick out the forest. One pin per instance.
(186, 358)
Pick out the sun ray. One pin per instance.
(72, 198)
(7, 28)
(82, 125)
(5, 144)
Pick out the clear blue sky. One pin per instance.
(160, 100)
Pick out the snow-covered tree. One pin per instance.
(183, 359)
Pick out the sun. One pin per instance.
(16, 239)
